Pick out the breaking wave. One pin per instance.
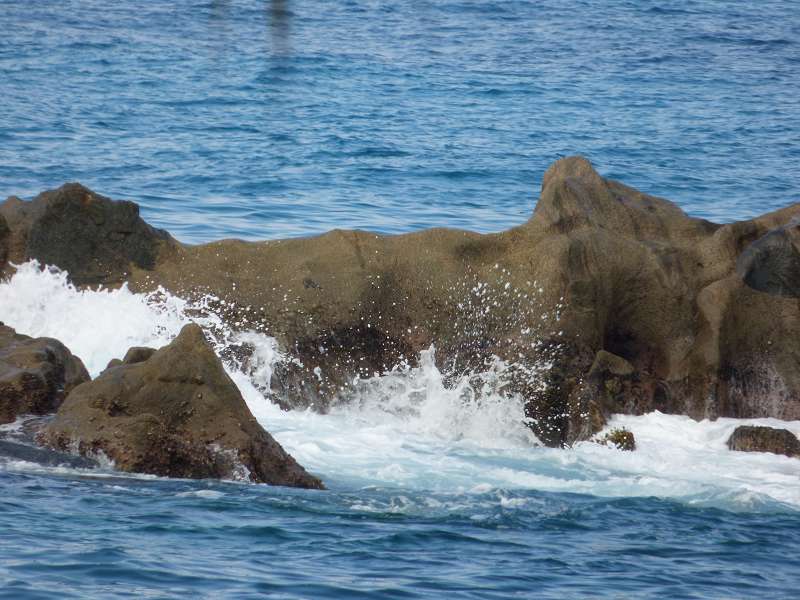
(414, 428)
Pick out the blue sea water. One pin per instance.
(266, 119)
(281, 118)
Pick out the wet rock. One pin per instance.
(771, 264)
(175, 414)
(752, 438)
(97, 240)
(5, 234)
(35, 374)
(621, 439)
(607, 300)
(13, 450)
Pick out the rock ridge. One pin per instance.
(611, 299)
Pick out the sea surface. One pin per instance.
(285, 118)
(266, 119)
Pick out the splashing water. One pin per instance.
(414, 428)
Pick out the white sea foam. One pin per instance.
(409, 430)
(96, 325)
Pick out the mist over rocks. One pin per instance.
(607, 300)
(36, 374)
(173, 412)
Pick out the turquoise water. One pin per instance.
(272, 119)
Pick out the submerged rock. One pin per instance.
(36, 374)
(752, 438)
(606, 301)
(176, 414)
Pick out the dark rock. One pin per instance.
(621, 439)
(95, 239)
(175, 414)
(771, 264)
(35, 374)
(752, 438)
(5, 234)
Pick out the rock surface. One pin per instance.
(621, 439)
(95, 239)
(175, 414)
(751, 438)
(35, 374)
(607, 300)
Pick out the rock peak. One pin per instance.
(569, 166)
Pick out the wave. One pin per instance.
(415, 428)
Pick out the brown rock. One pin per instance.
(703, 317)
(5, 234)
(97, 240)
(751, 438)
(175, 414)
(134, 355)
(35, 374)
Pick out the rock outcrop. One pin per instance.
(752, 438)
(95, 239)
(607, 300)
(35, 374)
(173, 413)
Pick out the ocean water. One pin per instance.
(267, 119)
(429, 497)
(283, 118)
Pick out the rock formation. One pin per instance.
(606, 300)
(96, 239)
(173, 412)
(750, 438)
(35, 374)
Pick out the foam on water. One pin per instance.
(96, 325)
(413, 429)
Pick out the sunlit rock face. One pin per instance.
(607, 300)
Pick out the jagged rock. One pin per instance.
(35, 374)
(175, 414)
(97, 240)
(704, 317)
(752, 438)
